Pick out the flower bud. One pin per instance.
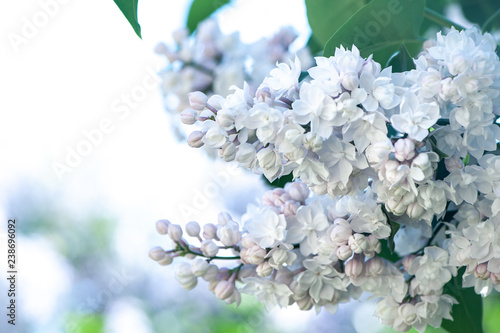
(404, 149)
(379, 152)
(495, 278)
(193, 229)
(224, 289)
(264, 269)
(341, 232)
(374, 266)
(180, 35)
(167, 260)
(195, 139)
(247, 271)
(223, 218)
(229, 234)
(209, 231)
(407, 261)
(481, 271)
(298, 191)
(415, 211)
(157, 253)
(354, 267)
(211, 273)
(408, 313)
(188, 116)
(162, 226)
(290, 208)
(197, 100)
(305, 303)
(358, 243)
(185, 276)
(212, 284)
(228, 151)
(199, 266)
(344, 252)
(253, 256)
(247, 241)
(175, 232)
(209, 248)
(453, 163)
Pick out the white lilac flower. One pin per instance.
(284, 79)
(321, 281)
(268, 292)
(381, 90)
(415, 118)
(266, 120)
(265, 225)
(305, 225)
(432, 271)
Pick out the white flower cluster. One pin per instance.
(212, 62)
(380, 150)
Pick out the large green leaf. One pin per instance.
(468, 313)
(381, 28)
(129, 9)
(200, 10)
(478, 11)
(327, 16)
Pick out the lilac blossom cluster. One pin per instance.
(212, 62)
(377, 157)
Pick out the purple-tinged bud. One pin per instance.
(209, 248)
(453, 163)
(223, 218)
(189, 116)
(298, 191)
(290, 208)
(374, 266)
(247, 241)
(404, 149)
(175, 232)
(209, 231)
(224, 289)
(167, 260)
(197, 100)
(162, 226)
(407, 261)
(193, 229)
(195, 139)
(305, 303)
(199, 266)
(211, 273)
(344, 252)
(253, 256)
(354, 267)
(481, 271)
(157, 253)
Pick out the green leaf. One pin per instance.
(129, 9)
(468, 313)
(327, 16)
(202, 9)
(479, 11)
(382, 28)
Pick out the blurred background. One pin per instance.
(85, 222)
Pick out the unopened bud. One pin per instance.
(188, 116)
(253, 256)
(404, 149)
(453, 163)
(229, 234)
(223, 218)
(224, 289)
(185, 276)
(194, 139)
(193, 229)
(167, 260)
(157, 253)
(407, 261)
(211, 273)
(162, 226)
(175, 232)
(305, 303)
(209, 231)
(298, 191)
(209, 248)
(199, 266)
(354, 267)
(344, 252)
(290, 208)
(358, 243)
(481, 271)
(247, 241)
(374, 266)
(264, 269)
(197, 100)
